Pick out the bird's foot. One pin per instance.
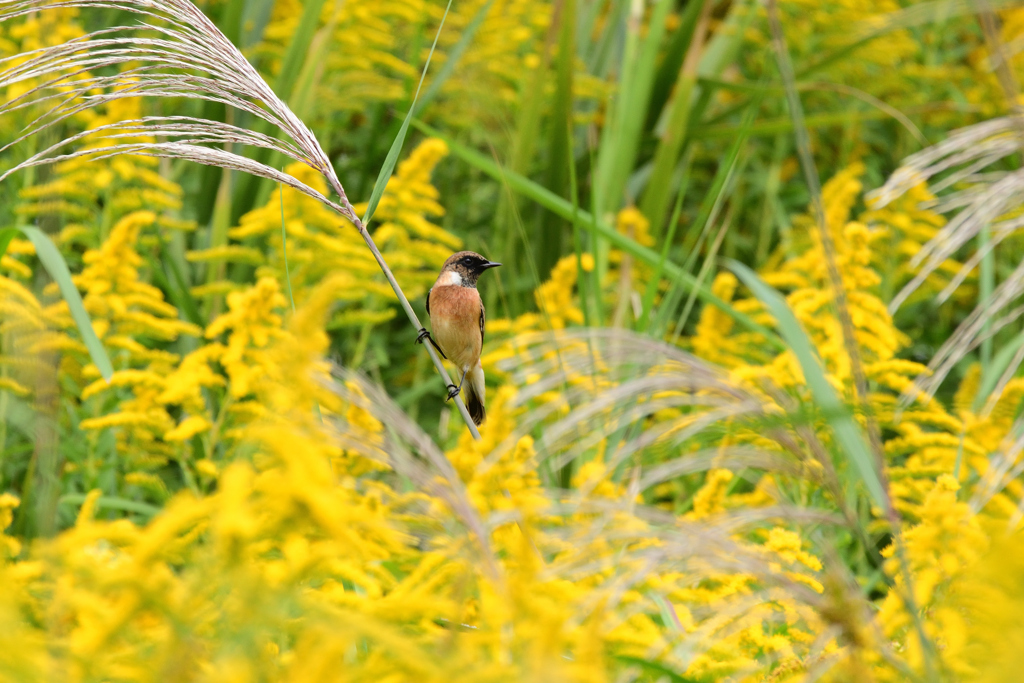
(426, 335)
(453, 391)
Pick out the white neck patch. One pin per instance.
(450, 277)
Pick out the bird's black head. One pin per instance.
(469, 265)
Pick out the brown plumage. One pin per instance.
(457, 319)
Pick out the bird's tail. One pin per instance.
(474, 394)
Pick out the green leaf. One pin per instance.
(549, 232)
(255, 18)
(396, 146)
(652, 286)
(847, 432)
(55, 265)
(620, 142)
(993, 371)
(658, 193)
(113, 503)
(668, 71)
(659, 670)
(6, 235)
(177, 285)
(715, 196)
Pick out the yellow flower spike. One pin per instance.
(709, 499)
(633, 224)
(88, 509)
(8, 502)
(13, 386)
(123, 378)
(235, 521)
(187, 428)
(207, 468)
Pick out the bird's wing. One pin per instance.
(428, 299)
(483, 319)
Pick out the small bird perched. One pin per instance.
(457, 318)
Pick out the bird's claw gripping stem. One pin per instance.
(426, 335)
(453, 391)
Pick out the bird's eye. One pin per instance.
(466, 261)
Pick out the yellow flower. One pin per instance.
(189, 427)
(708, 501)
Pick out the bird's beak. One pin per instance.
(489, 264)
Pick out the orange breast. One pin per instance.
(455, 321)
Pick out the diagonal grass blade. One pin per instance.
(58, 270)
(848, 434)
(6, 235)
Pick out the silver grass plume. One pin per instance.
(174, 51)
(182, 41)
(602, 386)
(975, 197)
(611, 381)
(580, 536)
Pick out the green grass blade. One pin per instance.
(582, 281)
(230, 24)
(549, 243)
(295, 56)
(712, 253)
(772, 203)
(658, 193)
(55, 265)
(306, 83)
(525, 138)
(255, 18)
(725, 44)
(166, 267)
(993, 371)
(180, 297)
(6, 235)
(636, 102)
(846, 431)
(284, 251)
(396, 146)
(986, 284)
(602, 51)
(668, 71)
(659, 671)
(564, 208)
(716, 194)
(598, 272)
(673, 224)
(112, 503)
(620, 140)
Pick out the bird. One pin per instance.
(457, 318)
